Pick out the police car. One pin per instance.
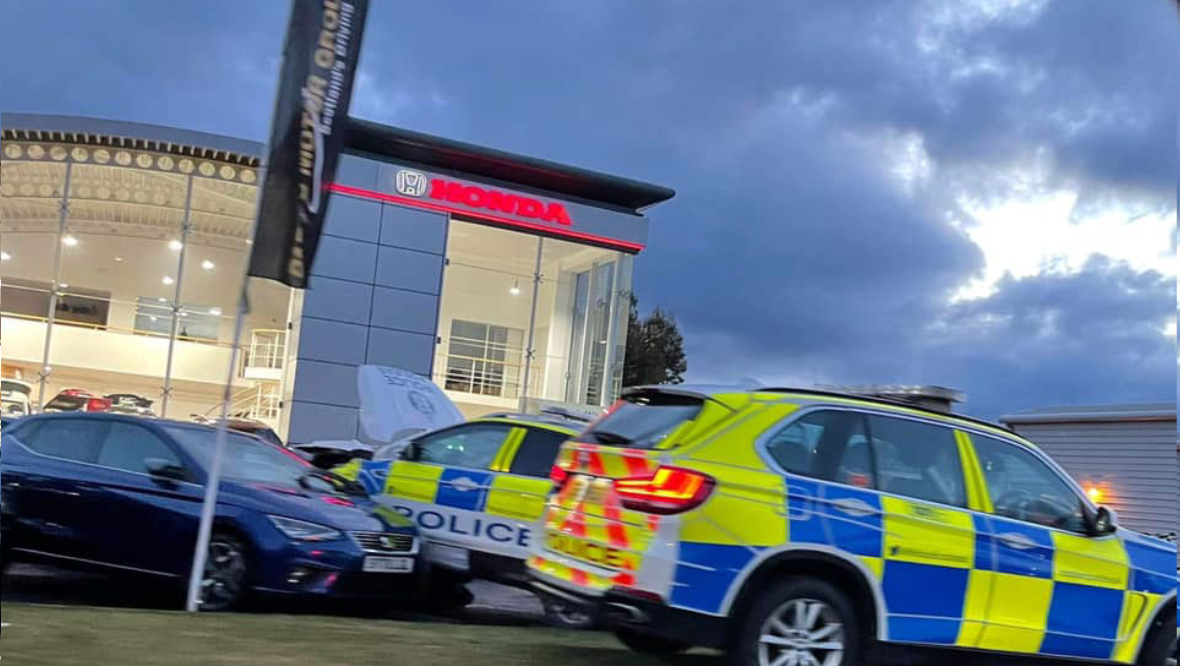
(474, 490)
(806, 527)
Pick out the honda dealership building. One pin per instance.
(503, 278)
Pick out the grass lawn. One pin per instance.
(68, 636)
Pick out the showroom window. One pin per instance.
(122, 233)
(529, 317)
(484, 359)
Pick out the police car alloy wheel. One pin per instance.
(799, 622)
(806, 632)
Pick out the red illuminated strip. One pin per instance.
(507, 221)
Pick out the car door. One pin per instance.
(145, 522)
(929, 580)
(442, 484)
(521, 485)
(1058, 590)
(50, 486)
(891, 493)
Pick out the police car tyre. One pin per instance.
(803, 621)
(1161, 642)
(562, 616)
(226, 573)
(644, 643)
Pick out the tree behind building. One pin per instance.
(655, 349)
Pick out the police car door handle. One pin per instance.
(854, 507)
(1016, 541)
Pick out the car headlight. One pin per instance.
(300, 530)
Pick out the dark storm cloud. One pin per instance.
(790, 251)
(1083, 337)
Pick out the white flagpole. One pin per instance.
(213, 479)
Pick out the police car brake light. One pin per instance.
(668, 490)
(558, 475)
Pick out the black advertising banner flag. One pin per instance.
(319, 61)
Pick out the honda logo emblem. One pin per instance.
(411, 183)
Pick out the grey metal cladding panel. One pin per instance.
(331, 341)
(413, 229)
(351, 217)
(326, 383)
(405, 310)
(338, 300)
(345, 259)
(357, 172)
(406, 269)
(312, 421)
(397, 349)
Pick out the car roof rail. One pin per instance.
(567, 414)
(898, 399)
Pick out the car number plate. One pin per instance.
(389, 564)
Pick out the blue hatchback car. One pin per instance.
(124, 493)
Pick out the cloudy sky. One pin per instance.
(979, 194)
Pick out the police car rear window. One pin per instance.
(643, 422)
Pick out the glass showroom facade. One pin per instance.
(124, 246)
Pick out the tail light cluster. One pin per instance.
(667, 490)
(558, 475)
(88, 402)
(97, 405)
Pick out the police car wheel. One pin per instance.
(562, 616)
(801, 621)
(1160, 647)
(647, 643)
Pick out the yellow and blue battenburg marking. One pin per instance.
(958, 578)
(949, 576)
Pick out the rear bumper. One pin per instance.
(624, 608)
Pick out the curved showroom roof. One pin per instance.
(126, 179)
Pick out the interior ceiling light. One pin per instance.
(216, 312)
(118, 258)
(168, 280)
(4, 256)
(175, 245)
(69, 240)
(208, 265)
(64, 286)
(515, 290)
(162, 299)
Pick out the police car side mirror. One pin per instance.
(1104, 522)
(411, 452)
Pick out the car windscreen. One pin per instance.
(643, 421)
(246, 459)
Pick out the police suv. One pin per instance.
(475, 490)
(805, 527)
